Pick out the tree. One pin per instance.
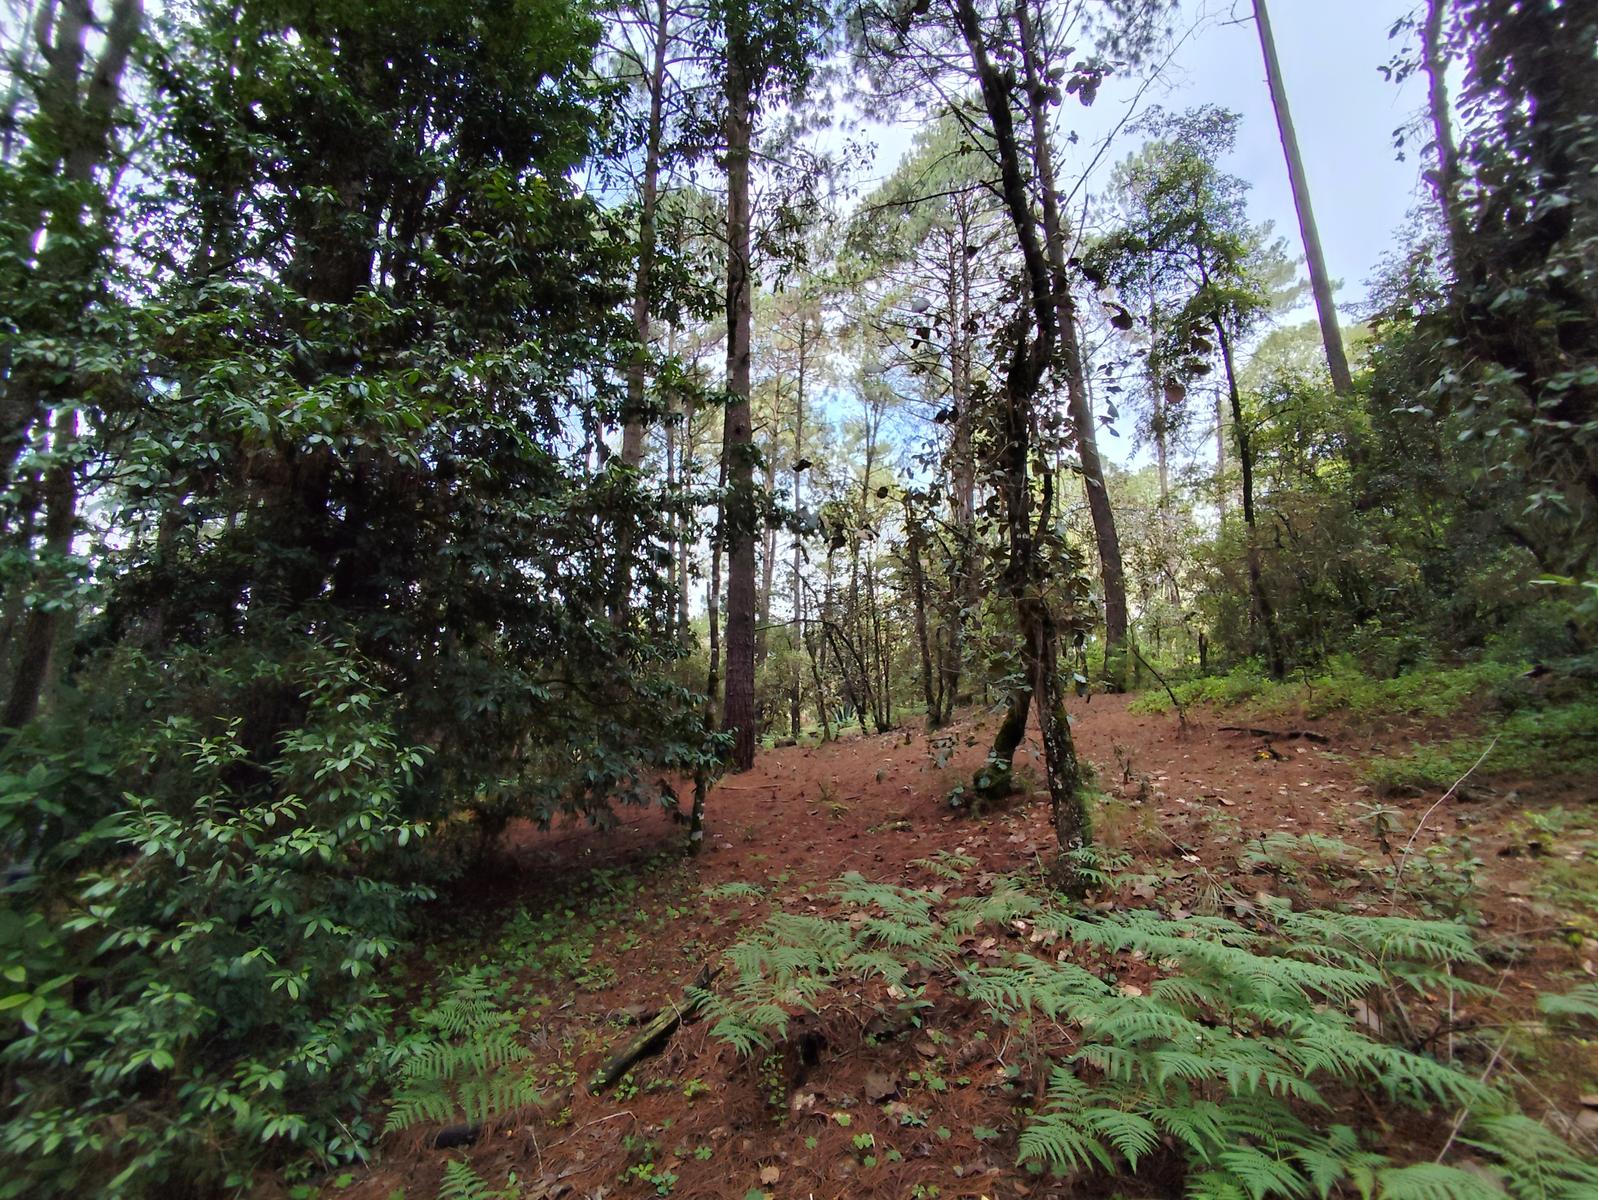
(54, 267)
(1320, 280)
(352, 561)
(771, 50)
(1216, 277)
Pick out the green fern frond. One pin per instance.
(1582, 1002)
(1433, 1181)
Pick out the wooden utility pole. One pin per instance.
(1320, 283)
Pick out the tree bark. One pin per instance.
(633, 429)
(1314, 257)
(42, 629)
(768, 550)
(967, 594)
(1030, 357)
(915, 540)
(738, 450)
(76, 122)
(1445, 180)
(796, 698)
(1112, 572)
(1245, 466)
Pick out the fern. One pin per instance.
(1581, 1003)
(464, 1062)
(1226, 1058)
(946, 864)
(1538, 1165)
(1434, 1181)
(735, 891)
(462, 1182)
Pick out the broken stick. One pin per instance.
(652, 1037)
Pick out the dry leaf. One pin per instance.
(769, 1174)
(879, 1086)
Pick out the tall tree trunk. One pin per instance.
(1320, 282)
(1245, 466)
(633, 424)
(1221, 490)
(1112, 572)
(768, 554)
(967, 590)
(738, 449)
(633, 428)
(1445, 180)
(685, 540)
(915, 541)
(76, 111)
(796, 697)
(1030, 357)
(696, 818)
(42, 629)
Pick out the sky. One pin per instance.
(1331, 52)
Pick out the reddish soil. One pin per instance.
(1192, 802)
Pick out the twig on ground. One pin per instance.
(1398, 875)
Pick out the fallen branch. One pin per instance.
(1398, 873)
(1181, 711)
(652, 1037)
(1309, 735)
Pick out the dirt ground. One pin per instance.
(1192, 801)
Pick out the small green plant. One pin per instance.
(462, 1182)
(692, 1089)
(465, 1060)
(647, 1173)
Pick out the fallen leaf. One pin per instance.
(769, 1174)
(880, 1086)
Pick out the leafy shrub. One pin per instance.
(196, 959)
(1345, 686)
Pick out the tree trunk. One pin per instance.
(1245, 466)
(633, 428)
(768, 558)
(993, 780)
(738, 450)
(1221, 490)
(796, 697)
(914, 543)
(1112, 572)
(1320, 282)
(42, 629)
(1445, 180)
(1030, 357)
(966, 587)
(685, 547)
(76, 120)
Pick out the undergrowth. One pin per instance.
(465, 1060)
(1558, 740)
(1231, 1061)
(1343, 686)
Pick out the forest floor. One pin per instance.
(592, 931)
